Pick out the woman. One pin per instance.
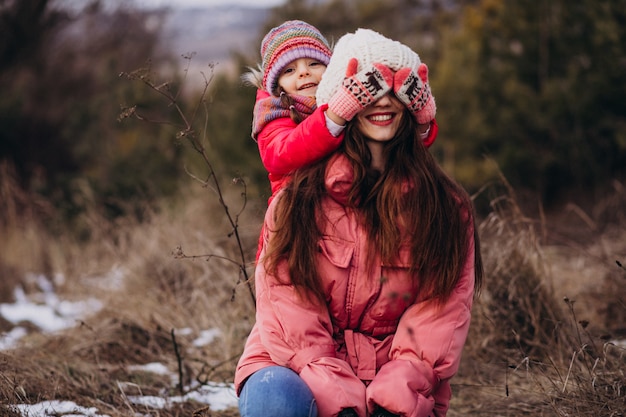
(370, 259)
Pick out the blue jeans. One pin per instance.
(276, 391)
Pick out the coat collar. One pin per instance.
(339, 178)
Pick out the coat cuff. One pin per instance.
(414, 382)
(334, 386)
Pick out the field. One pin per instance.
(548, 334)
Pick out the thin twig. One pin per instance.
(179, 359)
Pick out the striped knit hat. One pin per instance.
(285, 43)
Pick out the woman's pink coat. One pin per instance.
(375, 341)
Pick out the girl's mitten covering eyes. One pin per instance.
(412, 88)
(360, 89)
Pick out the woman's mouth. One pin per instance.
(381, 119)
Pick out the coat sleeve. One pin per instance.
(285, 146)
(425, 354)
(298, 334)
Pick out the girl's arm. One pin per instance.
(335, 117)
(285, 146)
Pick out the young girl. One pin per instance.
(370, 259)
(294, 57)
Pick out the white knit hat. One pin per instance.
(368, 47)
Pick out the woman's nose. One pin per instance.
(384, 100)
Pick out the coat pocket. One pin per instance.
(397, 291)
(338, 251)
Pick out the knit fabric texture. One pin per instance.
(368, 47)
(285, 43)
(270, 108)
(413, 89)
(359, 90)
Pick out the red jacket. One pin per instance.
(285, 146)
(375, 341)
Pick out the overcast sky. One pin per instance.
(189, 3)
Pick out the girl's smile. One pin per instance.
(308, 86)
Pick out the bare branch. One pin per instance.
(186, 132)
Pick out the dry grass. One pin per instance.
(147, 291)
(538, 344)
(541, 340)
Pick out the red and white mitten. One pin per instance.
(359, 90)
(412, 88)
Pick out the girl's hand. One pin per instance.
(359, 90)
(411, 87)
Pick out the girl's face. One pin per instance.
(302, 76)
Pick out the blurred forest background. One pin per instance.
(534, 89)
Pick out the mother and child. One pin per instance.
(368, 260)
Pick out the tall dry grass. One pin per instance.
(541, 341)
(545, 332)
(162, 282)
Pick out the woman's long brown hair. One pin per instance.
(413, 202)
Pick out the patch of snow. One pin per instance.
(49, 313)
(45, 310)
(206, 337)
(619, 343)
(154, 367)
(218, 396)
(43, 316)
(184, 331)
(9, 340)
(57, 408)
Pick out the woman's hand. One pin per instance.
(381, 412)
(348, 412)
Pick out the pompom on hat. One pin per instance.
(285, 43)
(370, 47)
